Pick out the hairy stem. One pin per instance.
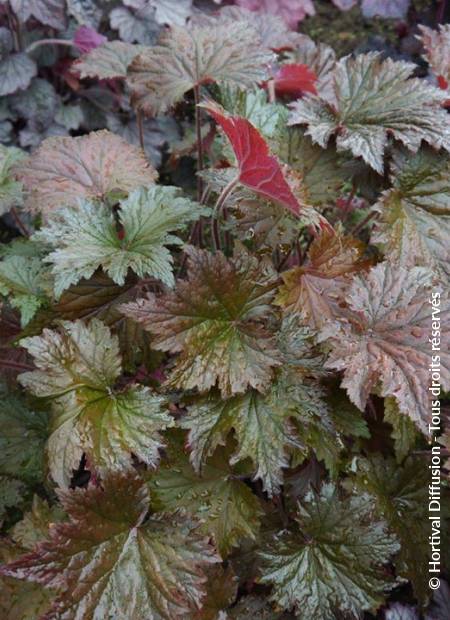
(198, 132)
(227, 190)
(36, 44)
(18, 222)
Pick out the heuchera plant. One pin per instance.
(221, 243)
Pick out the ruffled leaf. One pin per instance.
(77, 367)
(383, 343)
(215, 321)
(374, 98)
(331, 559)
(188, 57)
(64, 170)
(153, 568)
(86, 238)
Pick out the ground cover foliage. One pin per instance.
(221, 237)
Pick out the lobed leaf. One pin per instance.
(414, 223)
(215, 321)
(187, 57)
(229, 510)
(138, 568)
(146, 218)
(108, 61)
(267, 426)
(374, 98)
(383, 344)
(77, 367)
(64, 170)
(315, 290)
(331, 560)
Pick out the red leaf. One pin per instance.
(258, 169)
(442, 82)
(295, 80)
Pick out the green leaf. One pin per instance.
(374, 98)
(10, 189)
(414, 226)
(34, 527)
(26, 281)
(108, 61)
(401, 494)
(226, 505)
(331, 559)
(187, 57)
(215, 321)
(12, 493)
(78, 367)
(153, 568)
(253, 105)
(23, 433)
(321, 170)
(267, 426)
(37, 103)
(86, 238)
(404, 431)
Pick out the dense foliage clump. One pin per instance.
(224, 274)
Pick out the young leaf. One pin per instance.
(321, 60)
(215, 321)
(258, 169)
(10, 189)
(87, 39)
(374, 98)
(331, 560)
(146, 217)
(384, 340)
(228, 508)
(138, 568)
(414, 226)
(108, 61)
(267, 427)
(77, 367)
(315, 290)
(23, 434)
(295, 80)
(64, 170)
(187, 57)
(401, 495)
(26, 281)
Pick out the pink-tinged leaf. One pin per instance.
(292, 11)
(382, 344)
(294, 80)
(258, 169)
(87, 39)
